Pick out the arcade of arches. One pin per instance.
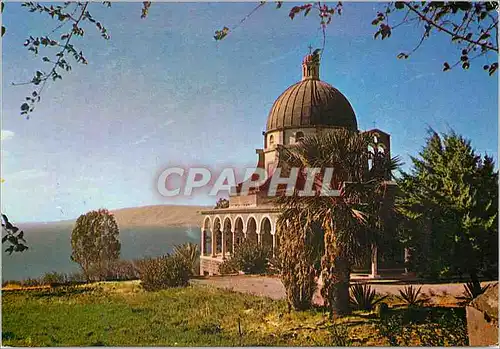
(221, 232)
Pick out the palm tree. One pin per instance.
(349, 222)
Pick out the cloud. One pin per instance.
(6, 135)
(147, 136)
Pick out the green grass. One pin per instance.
(121, 314)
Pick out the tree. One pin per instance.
(71, 17)
(336, 230)
(471, 26)
(222, 203)
(94, 242)
(450, 202)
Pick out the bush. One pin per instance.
(163, 272)
(54, 278)
(191, 255)
(381, 309)
(249, 257)
(228, 267)
(363, 297)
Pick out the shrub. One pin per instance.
(191, 255)
(54, 278)
(249, 257)
(363, 297)
(121, 270)
(163, 272)
(340, 336)
(228, 267)
(411, 296)
(381, 309)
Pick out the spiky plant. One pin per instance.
(471, 291)
(190, 254)
(363, 297)
(348, 222)
(411, 296)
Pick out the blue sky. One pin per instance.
(162, 92)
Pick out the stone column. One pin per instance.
(234, 241)
(407, 259)
(223, 243)
(214, 242)
(274, 245)
(203, 242)
(374, 273)
(259, 238)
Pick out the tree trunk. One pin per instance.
(335, 289)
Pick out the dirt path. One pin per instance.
(272, 287)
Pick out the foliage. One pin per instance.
(340, 336)
(330, 233)
(411, 296)
(191, 255)
(94, 242)
(117, 270)
(1, 11)
(249, 257)
(12, 235)
(163, 272)
(222, 203)
(381, 309)
(449, 202)
(471, 291)
(363, 297)
(434, 327)
(471, 26)
(53, 278)
(47, 279)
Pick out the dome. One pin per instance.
(311, 102)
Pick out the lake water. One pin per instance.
(50, 248)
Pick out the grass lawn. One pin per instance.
(122, 314)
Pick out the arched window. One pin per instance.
(271, 141)
(299, 136)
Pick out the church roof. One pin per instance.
(311, 102)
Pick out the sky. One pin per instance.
(162, 92)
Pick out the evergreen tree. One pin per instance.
(450, 203)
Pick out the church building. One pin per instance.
(308, 107)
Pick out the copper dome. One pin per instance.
(311, 102)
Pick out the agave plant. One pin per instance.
(471, 291)
(189, 253)
(411, 296)
(363, 297)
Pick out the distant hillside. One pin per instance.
(174, 216)
(160, 216)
